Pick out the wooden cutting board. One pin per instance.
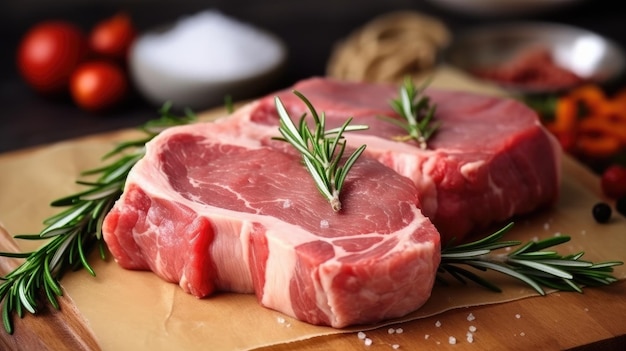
(595, 319)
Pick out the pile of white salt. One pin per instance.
(211, 46)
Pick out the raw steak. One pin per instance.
(491, 159)
(214, 207)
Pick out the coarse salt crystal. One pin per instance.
(361, 335)
(287, 204)
(426, 336)
(391, 331)
(437, 324)
(399, 331)
(280, 320)
(470, 338)
(518, 316)
(522, 334)
(395, 346)
(452, 340)
(367, 341)
(472, 328)
(470, 317)
(324, 224)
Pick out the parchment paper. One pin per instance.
(130, 310)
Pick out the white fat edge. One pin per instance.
(282, 238)
(230, 253)
(496, 190)
(427, 186)
(469, 168)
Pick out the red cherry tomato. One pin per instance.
(48, 54)
(613, 181)
(98, 86)
(112, 37)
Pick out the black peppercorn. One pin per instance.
(602, 212)
(620, 205)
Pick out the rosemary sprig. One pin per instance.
(321, 149)
(417, 112)
(74, 232)
(529, 263)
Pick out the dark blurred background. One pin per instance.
(309, 28)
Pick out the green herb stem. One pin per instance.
(416, 112)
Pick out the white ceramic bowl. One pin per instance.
(165, 71)
(589, 55)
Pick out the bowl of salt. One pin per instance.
(203, 59)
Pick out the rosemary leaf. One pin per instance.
(26, 301)
(568, 263)
(572, 285)
(52, 284)
(50, 295)
(542, 267)
(605, 265)
(466, 254)
(510, 272)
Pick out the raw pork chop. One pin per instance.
(490, 160)
(213, 207)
